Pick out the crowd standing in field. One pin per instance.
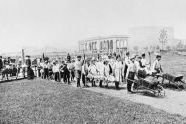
(102, 70)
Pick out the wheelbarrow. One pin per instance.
(177, 79)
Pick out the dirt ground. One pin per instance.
(174, 101)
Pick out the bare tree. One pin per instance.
(163, 38)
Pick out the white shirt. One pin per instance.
(131, 68)
(55, 68)
(78, 65)
(84, 67)
(100, 67)
(127, 60)
(92, 69)
(137, 64)
(156, 65)
(143, 62)
(106, 70)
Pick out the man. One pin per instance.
(1, 63)
(71, 69)
(30, 73)
(85, 73)
(78, 68)
(100, 68)
(28, 61)
(156, 67)
(56, 70)
(144, 61)
(46, 70)
(118, 71)
(131, 72)
(127, 62)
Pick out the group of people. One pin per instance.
(114, 69)
(7, 68)
(105, 69)
(11, 68)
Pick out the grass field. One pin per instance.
(174, 64)
(38, 101)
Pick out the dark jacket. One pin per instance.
(1, 63)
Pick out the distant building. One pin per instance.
(149, 36)
(108, 44)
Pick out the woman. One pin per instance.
(118, 69)
(92, 72)
(107, 72)
(131, 72)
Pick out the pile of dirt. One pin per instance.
(40, 101)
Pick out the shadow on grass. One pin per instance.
(5, 81)
(114, 88)
(148, 93)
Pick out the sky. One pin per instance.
(62, 23)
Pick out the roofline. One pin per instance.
(106, 37)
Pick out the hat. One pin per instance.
(127, 53)
(158, 56)
(79, 56)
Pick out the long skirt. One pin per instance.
(30, 73)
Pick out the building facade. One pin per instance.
(101, 45)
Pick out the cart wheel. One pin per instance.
(134, 87)
(160, 91)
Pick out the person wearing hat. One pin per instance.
(131, 72)
(78, 69)
(127, 62)
(28, 61)
(144, 60)
(55, 69)
(107, 71)
(85, 73)
(46, 69)
(92, 71)
(118, 71)
(1, 63)
(156, 67)
(100, 68)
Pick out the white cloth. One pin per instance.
(100, 68)
(84, 68)
(137, 65)
(55, 68)
(131, 68)
(156, 65)
(93, 69)
(93, 73)
(118, 71)
(70, 66)
(78, 65)
(144, 62)
(127, 60)
(106, 70)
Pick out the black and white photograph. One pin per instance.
(92, 61)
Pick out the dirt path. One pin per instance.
(174, 101)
